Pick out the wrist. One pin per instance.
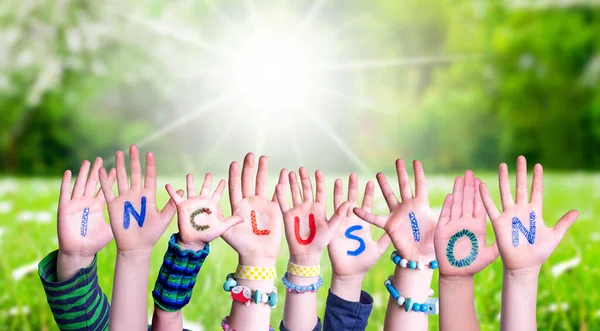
(67, 264)
(192, 246)
(456, 279)
(347, 287)
(307, 260)
(134, 255)
(256, 261)
(525, 273)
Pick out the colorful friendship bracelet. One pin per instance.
(301, 289)
(177, 276)
(404, 263)
(244, 294)
(255, 273)
(302, 271)
(226, 327)
(429, 307)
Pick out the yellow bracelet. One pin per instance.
(255, 273)
(302, 271)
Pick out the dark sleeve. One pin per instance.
(346, 315)
(77, 303)
(317, 327)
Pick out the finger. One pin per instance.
(420, 183)
(173, 194)
(403, 181)
(135, 167)
(378, 221)
(387, 192)
(112, 175)
(206, 185)
(488, 203)
(280, 192)
(261, 177)
(248, 176)
(190, 186)
(106, 185)
(321, 195)
(338, 193)
(65, 188)
(367, 203)
(478, 209)
(537, 186)
(446, 210)
(306, 184)
(564, 224)
(468, 199)
(457, 194)
(79, 187)
(219, 191)
(383, 243)
(150, 180)
(235, 190)
(92, 182)
(231, 221)
(167, 212)
(338, 217)
(521, 192)
(295, 189)
(505, 195)
(283, 180)
(122, 184)
(353, 190)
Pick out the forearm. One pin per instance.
(129, 299)
(457, 306)
(348, 307)
(300, 311)
(519, 296)
(414, 284)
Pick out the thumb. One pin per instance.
(564, 224)
(338, 217)
(231, 221)
(167, 212)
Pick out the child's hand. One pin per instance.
(82, 231)
(463, 210)
(353, 251)
(258, 238)
(134, 218)
(306, 227)
(411, 223)
(199, 218)
(523, 238)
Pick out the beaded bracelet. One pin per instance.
(226, 327)
(404, 263)
(429, 307)
(301, 289)
(244, 294)
(177, 276)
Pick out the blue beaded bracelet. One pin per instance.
(404, 263)
(430, 306)
(301, 289)
(244, 295)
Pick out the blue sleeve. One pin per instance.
(317, 327)
(347, 315)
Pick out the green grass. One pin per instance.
(567, 302)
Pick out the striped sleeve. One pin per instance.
(77, 303)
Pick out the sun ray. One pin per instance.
(296, 146)
(222, 17)
(253, 14)
(235, 119)
(397, 62)
(356, 101)
(340, 29)
(322, 124)
(307, 20)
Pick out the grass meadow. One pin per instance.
(568, 296)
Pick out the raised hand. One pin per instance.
(307, 229)
(411, 223)
(82, 230)
(199, 217)
(352, 250)
(463, 216)
(134, 218)
(524, 240)
(258, 238)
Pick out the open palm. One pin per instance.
(199, 217)
(134, 218)
(259, 236)
(350, 257)
(463, 210)
(82, 229)
(411, 224)
(523, 238)
(307, 229)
